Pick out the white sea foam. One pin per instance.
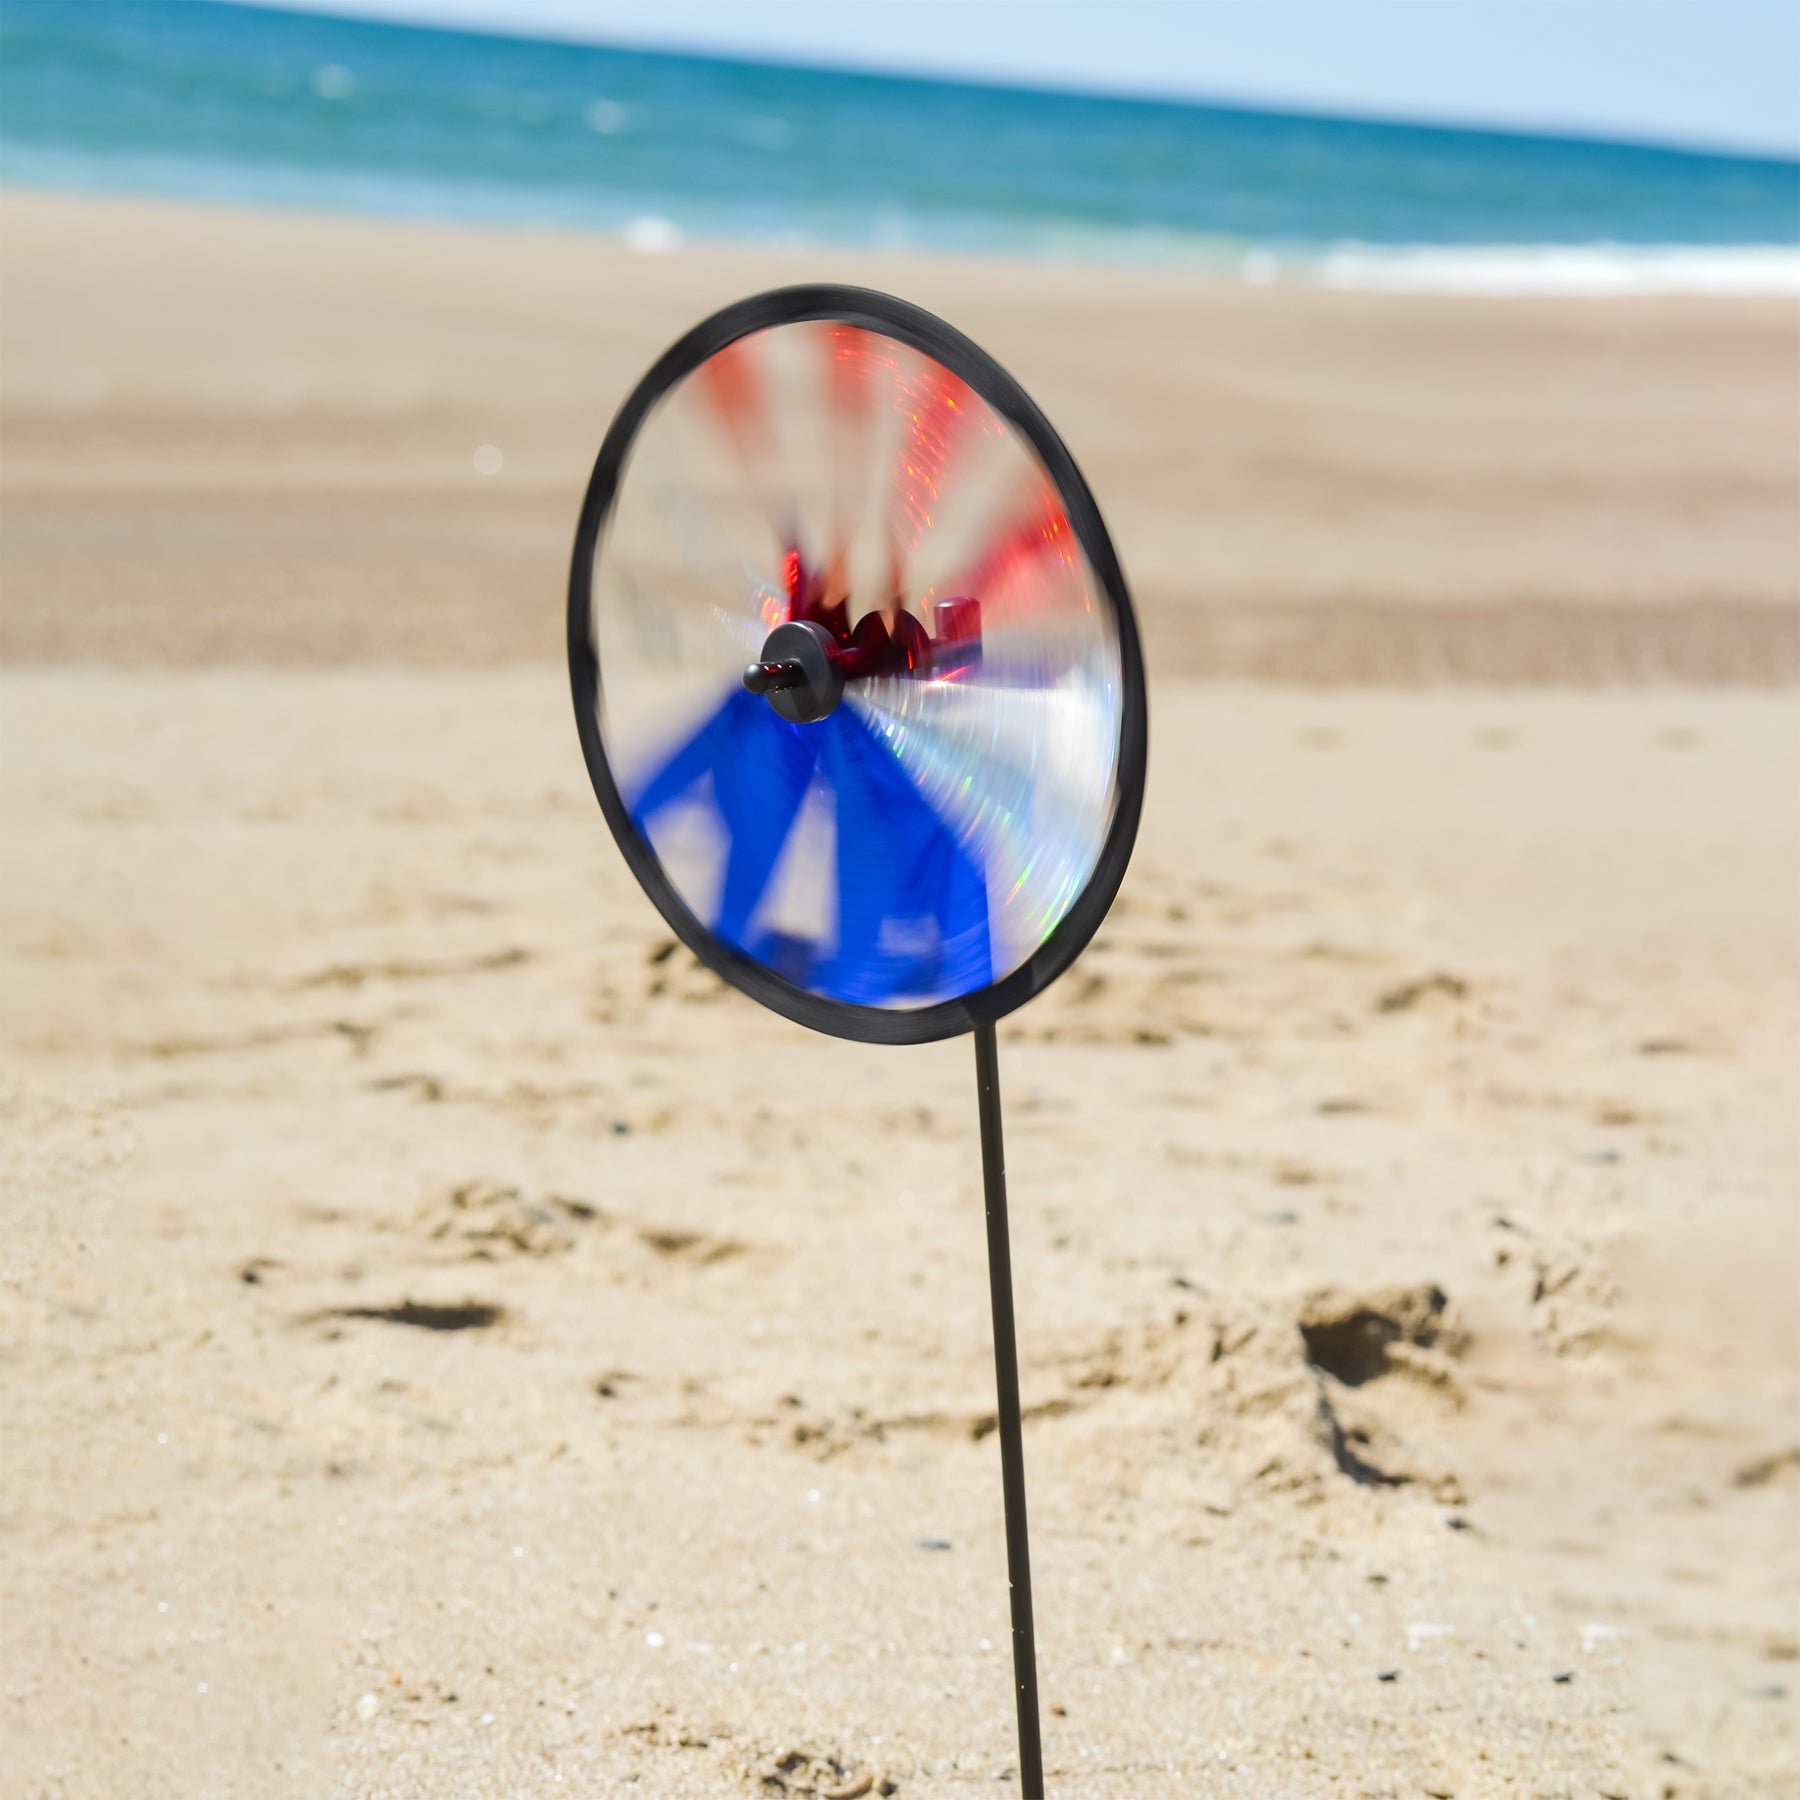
(651, 236)
(332, 81)
(1547, 269)
(608, 117)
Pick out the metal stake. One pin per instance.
(1012, 1448)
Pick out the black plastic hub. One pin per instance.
(798, 672)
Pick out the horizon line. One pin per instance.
(373, 13)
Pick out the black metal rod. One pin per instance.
(773, 677)
(1012, 1447)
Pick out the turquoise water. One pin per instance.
(184, 98)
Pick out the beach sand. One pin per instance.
(452, 1347)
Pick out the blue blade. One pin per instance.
(912, 909)
(912, 914)
(760, 766)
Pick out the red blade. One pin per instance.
(854, 360)
(937, 408)
(852, 357)
(732, 383)
(1034, 544)
(733, 388)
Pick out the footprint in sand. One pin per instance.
(424, 1315)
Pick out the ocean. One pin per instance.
(195, 100)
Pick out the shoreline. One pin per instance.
(1598, 268)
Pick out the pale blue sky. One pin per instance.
(1706, 72)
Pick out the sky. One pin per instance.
(1710, 73)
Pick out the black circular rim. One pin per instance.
(924, 332)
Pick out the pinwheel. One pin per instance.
(859, 688)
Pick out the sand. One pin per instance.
(453, 1348)
(232, 437)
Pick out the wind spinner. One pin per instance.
(859, 688)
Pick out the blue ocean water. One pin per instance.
(194, 99)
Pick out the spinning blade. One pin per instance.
(823, 471)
